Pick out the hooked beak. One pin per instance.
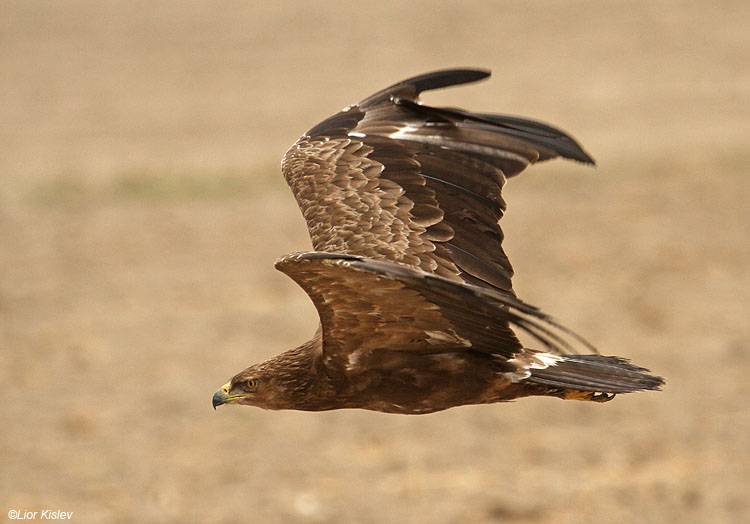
(222, 396)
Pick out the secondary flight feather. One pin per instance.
(403, 203)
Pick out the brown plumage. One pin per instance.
(409, 277)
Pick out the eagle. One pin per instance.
(408, 274)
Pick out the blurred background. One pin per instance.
(142, 207)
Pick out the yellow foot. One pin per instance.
(574, 394)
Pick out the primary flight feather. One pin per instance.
(408, 274)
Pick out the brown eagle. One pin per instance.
(409, 277)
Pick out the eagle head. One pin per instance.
(287, 381)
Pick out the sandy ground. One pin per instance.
(141, 210)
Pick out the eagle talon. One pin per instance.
(602, 397)
(591, 396)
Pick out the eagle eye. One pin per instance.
(251, 384)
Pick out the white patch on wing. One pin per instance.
(529, 361)
(439, 337)
(412, 133)
(405, 133)
(356, 134)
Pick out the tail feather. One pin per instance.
(596, 373)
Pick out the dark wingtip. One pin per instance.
(413, 86)
(540, 133)
(445, 78)
(581, 156)
(578, 154)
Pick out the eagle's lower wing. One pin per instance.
(391, 179)
(366, 305)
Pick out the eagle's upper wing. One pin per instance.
(366, 305)
(392, 179)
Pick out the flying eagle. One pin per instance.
(409, 277)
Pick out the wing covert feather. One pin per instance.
(367, 305)
(392, 179)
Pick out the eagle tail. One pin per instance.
(595, 373)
